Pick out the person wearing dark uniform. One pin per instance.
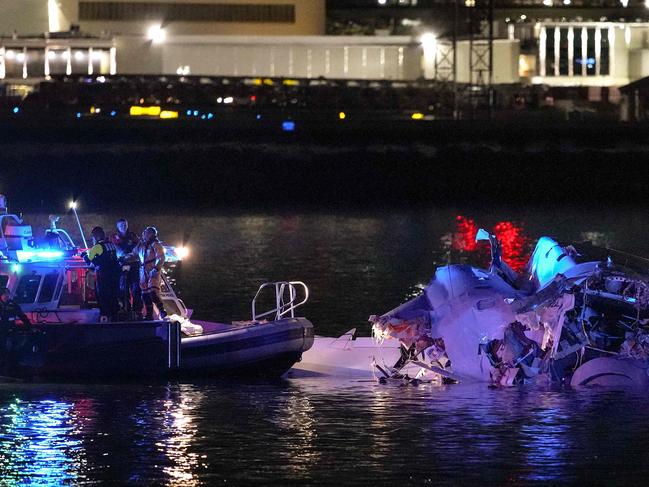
(10, 312)
(103, 257)
(10, 343)
(129, 283)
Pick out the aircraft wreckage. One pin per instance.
(573, 315)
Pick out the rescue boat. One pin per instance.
(68, 340)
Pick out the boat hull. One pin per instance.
(269, 349)
(117, 351)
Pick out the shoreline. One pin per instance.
(193, 166)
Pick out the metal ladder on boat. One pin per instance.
(286, 294)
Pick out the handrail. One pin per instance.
(61, 232)
(283, 306)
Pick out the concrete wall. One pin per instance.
(24, 16)
(619, 54)
(282, 56)
(136, 55)
(309, 20)
(506, 61)
(638, 63)
(37, 16)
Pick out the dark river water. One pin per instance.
(321, 431)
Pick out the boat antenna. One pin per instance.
(73, 207)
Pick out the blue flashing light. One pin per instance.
(78, 114)
(196, 113)
(288, 126)
(203, 117)
(16, 268)
(16, 110)
(210, 116)
(189, 113)
(39, 255)
(258, 117)
(113, 113)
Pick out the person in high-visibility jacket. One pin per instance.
(103, 257)
(152, 257)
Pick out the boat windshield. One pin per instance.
(48, 287)
(27, 288)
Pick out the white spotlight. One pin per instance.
(156, 34)
(182, 252)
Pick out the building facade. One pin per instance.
(537, 42)
(176, 17)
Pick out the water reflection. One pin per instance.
(294, 417)
(38, 445)
(178, 432)
(165, 433)
(545, 435)
(318, 432)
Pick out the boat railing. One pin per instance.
(286, 299)
(64, 237)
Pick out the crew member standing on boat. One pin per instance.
(11, 344)
(10, 312)
(129, 283)
(152, 258)
(103, 257)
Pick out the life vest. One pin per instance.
(103, 256)
(151, 254)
